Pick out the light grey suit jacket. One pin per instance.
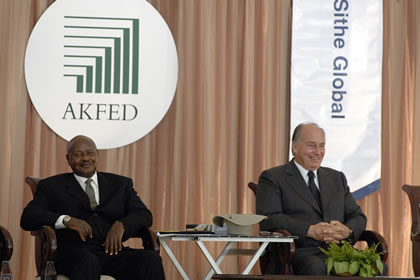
(285, 198)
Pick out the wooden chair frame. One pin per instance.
(46, 242)
(6, 251)
(413, 193)
(285, 253)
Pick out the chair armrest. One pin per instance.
(6, 250)
(45, 250)
(6, 244)
(150, 240)
(288, 255)
(415, 237)
(372, 238)
(278, 257)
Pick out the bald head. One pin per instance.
(79, 139)
(298, 130)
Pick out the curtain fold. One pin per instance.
(229, 121)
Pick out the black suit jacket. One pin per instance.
(63, 195)
(284, 197)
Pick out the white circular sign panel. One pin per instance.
(102, 68)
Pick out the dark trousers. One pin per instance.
(90, 264)
(309, 261)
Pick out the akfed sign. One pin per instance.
(102, 68)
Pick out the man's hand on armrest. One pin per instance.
(113, 242)
(81, 226)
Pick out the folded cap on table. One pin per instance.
(238, 224)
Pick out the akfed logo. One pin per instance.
(82, 27)
(103, 68)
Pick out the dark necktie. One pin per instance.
(91, 194)
(313, 188)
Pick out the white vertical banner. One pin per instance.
(336, 74)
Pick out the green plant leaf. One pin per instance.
(363, 272)
(341, 267)
(371, 272)
(369, 269)
(380, 265)
(344, 258)
(330, 264)
(354, 267)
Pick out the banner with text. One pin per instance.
(336, 82)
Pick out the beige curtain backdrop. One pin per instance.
(229, 121)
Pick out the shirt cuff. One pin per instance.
(59, 223)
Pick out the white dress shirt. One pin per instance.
(82, 181)
(305, 176)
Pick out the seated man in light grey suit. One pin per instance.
(310, 201)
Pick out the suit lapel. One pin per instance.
(105, 189)
(324, 187)
(74, 189)
(298, 184)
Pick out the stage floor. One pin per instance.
(298, 277)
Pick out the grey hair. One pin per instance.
(298, 131)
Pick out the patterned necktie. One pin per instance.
(312, 187)
(91, 194)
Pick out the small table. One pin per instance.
(231, 240)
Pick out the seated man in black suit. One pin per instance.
(310, 201)
(93, 213)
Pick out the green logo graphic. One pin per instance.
(100, 52)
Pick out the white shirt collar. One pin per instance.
(82, 180)
(304, 172)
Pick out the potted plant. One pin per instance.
(345, 260)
